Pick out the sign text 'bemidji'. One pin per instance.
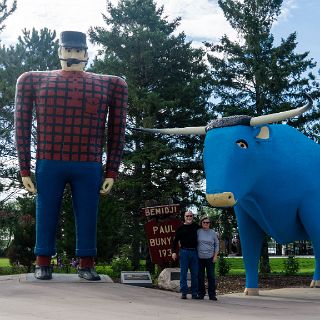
(170, 209)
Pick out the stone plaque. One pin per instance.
(136, 278)
(169, 279)
(176, 276)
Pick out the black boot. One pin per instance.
(89, 274)
(43, 272)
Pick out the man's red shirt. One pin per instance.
(71, 111)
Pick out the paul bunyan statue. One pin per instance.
(71, 110)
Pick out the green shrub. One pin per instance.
(264, 265)
(223, 265)
(104, 269)
(291, 266)
(119, 264)
(13, 270)
(71, 270)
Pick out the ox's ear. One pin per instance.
(263, 133)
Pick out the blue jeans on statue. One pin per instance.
(189, 260)
(85, 180)
(207, 265)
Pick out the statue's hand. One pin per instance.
(28, 184)
(106, 186)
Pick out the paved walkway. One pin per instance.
(23, 299)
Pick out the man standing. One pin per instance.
(71, 108)
(186, 236)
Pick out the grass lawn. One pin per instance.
(4, 262)
(306, 266)
(236, 266)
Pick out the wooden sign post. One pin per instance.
(160, 229)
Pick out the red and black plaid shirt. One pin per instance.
(71, 111)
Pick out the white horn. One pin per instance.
(181, 131)
(275, 117)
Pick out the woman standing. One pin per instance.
(208, 249)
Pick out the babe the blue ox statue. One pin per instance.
(270, 174)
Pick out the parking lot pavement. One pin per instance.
(24, 300)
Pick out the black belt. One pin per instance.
(192, 249)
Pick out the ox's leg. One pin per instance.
(251, 237)
(310, 220)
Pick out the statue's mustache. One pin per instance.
(71, 61)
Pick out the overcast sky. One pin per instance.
(201, 19)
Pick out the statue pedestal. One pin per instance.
(63, 278)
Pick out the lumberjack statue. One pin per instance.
(71, 107)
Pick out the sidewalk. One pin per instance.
(23, 299)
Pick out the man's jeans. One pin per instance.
(85, 181)
(189, 260)
(207, 264)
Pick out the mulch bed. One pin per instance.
(232, 284)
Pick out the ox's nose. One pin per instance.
(225, 199)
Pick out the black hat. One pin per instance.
(73, 39)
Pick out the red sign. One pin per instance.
(160, 237)
(170, 209)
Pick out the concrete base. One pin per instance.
(251, 291)
(45, 300)
(315, 284)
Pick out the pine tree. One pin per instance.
(254, 76)
(35, 50)
(167, 81)
(6, 11)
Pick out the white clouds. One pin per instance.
(201, 19)
(56, 15)
(288, 7)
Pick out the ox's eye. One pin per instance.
(242, 144)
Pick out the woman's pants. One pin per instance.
(207, 265)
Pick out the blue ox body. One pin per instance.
(273, 181)
(270, 174)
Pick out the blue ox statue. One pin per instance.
(270, 174)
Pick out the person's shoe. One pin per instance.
(43, 272)
(89, 274)
(184, 296)
(214, 298)
(196, 297)
(200, 297)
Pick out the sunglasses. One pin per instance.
(206, 222)
(189, 216)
